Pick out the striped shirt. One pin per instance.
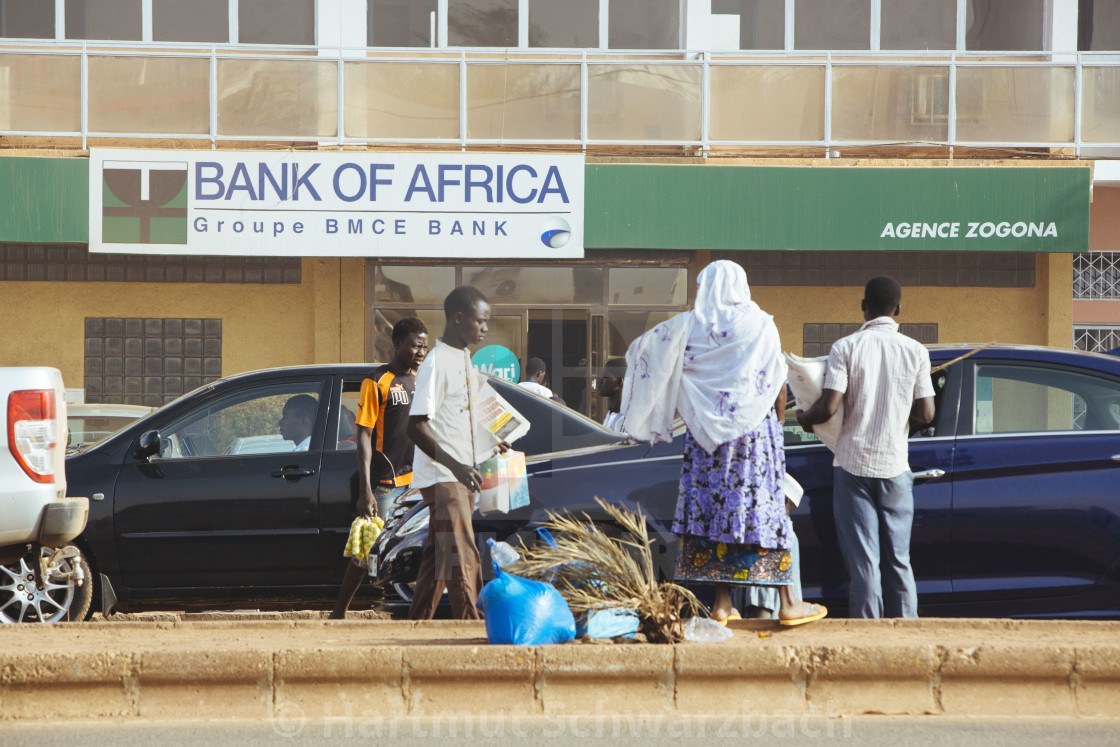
(880, 372)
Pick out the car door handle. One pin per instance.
(289, 472)
(1116, 457)
(929, 474)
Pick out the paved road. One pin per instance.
(888, 731)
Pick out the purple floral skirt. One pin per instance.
(734, 495)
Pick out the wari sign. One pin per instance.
(262, 203)
(499, 361)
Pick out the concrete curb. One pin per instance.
(318, 669)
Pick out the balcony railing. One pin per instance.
(579, 100)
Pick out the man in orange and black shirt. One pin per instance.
(384, 448)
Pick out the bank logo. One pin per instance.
(556, 233)
(144, 202)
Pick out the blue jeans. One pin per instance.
(385, 495)
(873, 520)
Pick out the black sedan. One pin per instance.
(1017, 492)
(204, 504)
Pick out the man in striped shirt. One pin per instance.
(883, 380)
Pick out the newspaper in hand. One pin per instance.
(806, 380)
(496, 420)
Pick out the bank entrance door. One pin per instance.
(569, 341)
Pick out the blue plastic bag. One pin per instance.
(524, 612)
(608, 623)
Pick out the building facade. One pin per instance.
(817, 142)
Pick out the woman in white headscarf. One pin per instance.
(721, 367)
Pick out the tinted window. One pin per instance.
(1028, 399)
(104, 19)
(26, 19)
(643, 24)
(572, 23)
(196, 21)
(400, 23)
(242, 422)
(482, 23)
(276, 21)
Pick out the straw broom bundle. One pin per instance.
(594, 571)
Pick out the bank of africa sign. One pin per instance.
(336, 204)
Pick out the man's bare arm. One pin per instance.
(421, 434)
(822, 410)
(922, 413)
(367, 505)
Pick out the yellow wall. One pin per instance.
(322, 320)
(262, 325)
(1033, 316)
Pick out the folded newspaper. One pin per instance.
(496, 420)
(806, 381)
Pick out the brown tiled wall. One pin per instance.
(945, 269)
(818, 338)
(75, 263)
(149, 361)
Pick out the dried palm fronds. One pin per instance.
(594, 571)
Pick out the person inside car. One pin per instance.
(298, 419)
(382, 432)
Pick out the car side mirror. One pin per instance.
(148, 446)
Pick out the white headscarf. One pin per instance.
(719, 365)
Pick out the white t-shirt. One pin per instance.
(881, 372)
(442, 394)
(536, 388)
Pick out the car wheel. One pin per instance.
(59, 598)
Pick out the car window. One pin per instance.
(346, 440)
(243, 422)
(1028, 399)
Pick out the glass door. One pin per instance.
(561, 338)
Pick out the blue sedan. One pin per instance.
(1017, 497)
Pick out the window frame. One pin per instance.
(967, 414)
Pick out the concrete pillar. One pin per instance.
(337, 309)
(1054, 278)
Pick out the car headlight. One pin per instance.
(414, 523)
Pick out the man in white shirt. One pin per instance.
(882, 378)
(441, 424)
(533, 378)
(298, 419)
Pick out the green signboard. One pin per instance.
(44, 200)
(649, 206)
(1028, 209)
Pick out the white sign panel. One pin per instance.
(264, 203)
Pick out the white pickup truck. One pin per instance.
(42, 577)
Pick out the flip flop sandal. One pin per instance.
(808, 618)
(729, 618)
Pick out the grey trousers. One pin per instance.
(873, 520)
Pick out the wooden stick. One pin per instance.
(943, 366)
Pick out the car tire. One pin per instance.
(22, 601)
